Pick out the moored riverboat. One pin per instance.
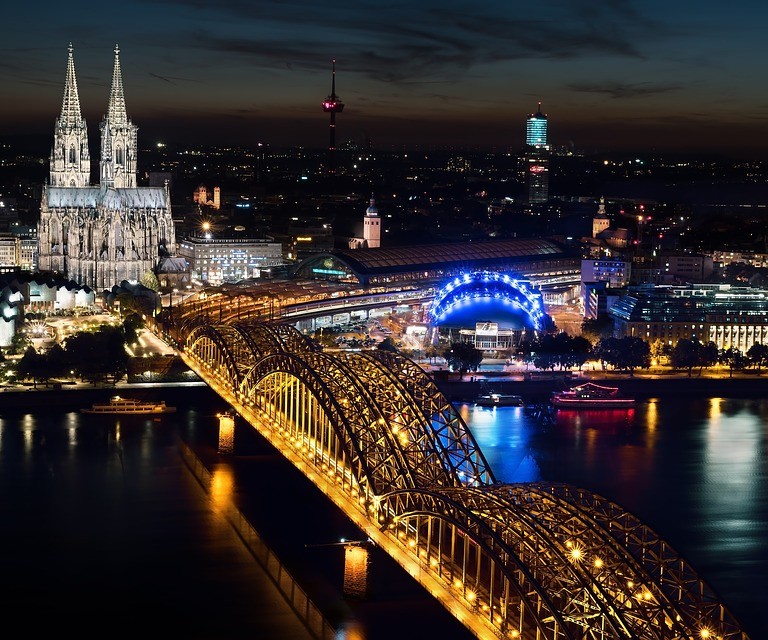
(499, 400)
(591, 396)
(129, 406)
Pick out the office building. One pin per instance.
(537, 157)
(726, 315)
(213, 261)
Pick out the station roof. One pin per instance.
(382, 260)
(367, 263)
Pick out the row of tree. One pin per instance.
(627, 354)
(91, 356)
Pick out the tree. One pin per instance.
(580, 350)
(388, 344)
(596, 329)
(150, 281)
(32, 365)
(708, 355)
(660, 350)
(431, 352)
(57, 361)
(758, 355)
(463, 357)
(100, 354)
(734, 359)
(19, 343)
(626, 354)
(685, 354)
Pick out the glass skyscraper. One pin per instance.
(537, 157)
(536, 130)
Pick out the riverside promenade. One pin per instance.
(534, 386)
(641, 385)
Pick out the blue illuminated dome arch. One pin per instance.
(488, 296)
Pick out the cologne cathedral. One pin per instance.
(100, 235)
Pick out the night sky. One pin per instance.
(612, 75)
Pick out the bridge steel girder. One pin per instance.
(319, 404)
(534, 561)
(687, 601)
(211, 347)
(455, 446)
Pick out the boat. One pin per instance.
(493, 399)
(129, 406)
(591, 396)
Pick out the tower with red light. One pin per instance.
(333, 105)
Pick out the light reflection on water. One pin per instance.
(694, 470)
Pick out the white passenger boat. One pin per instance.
(129, 406)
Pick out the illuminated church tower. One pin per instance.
(70, 158)
(372, 226)
(537, 157)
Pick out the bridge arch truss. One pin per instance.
(533, 561)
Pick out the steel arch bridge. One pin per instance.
(531, 561)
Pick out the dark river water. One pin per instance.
(694, 470)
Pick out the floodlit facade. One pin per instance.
(614, 272)
(536, 130)
(100, 235)
(217, 260)
(537, 157)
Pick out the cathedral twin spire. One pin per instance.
(71, 116)
(116, 111)
(70, 158)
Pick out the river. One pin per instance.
(695, 470)
(692, 469)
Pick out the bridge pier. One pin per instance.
(226, 433)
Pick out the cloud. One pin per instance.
(619, 90)
(407, 42)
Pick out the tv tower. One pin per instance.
(333, 105)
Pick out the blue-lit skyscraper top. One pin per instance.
(536, 130)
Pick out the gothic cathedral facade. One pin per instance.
(100, 235)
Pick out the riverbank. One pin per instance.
(640, 387)
(77, 396)
(74, 397)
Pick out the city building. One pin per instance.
(213, 261)
(537, 157)
(720, 313)
(727, 257)
(598, 298)
(616, 273)
(99, 235)
(687, 267)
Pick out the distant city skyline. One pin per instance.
(617, 76)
